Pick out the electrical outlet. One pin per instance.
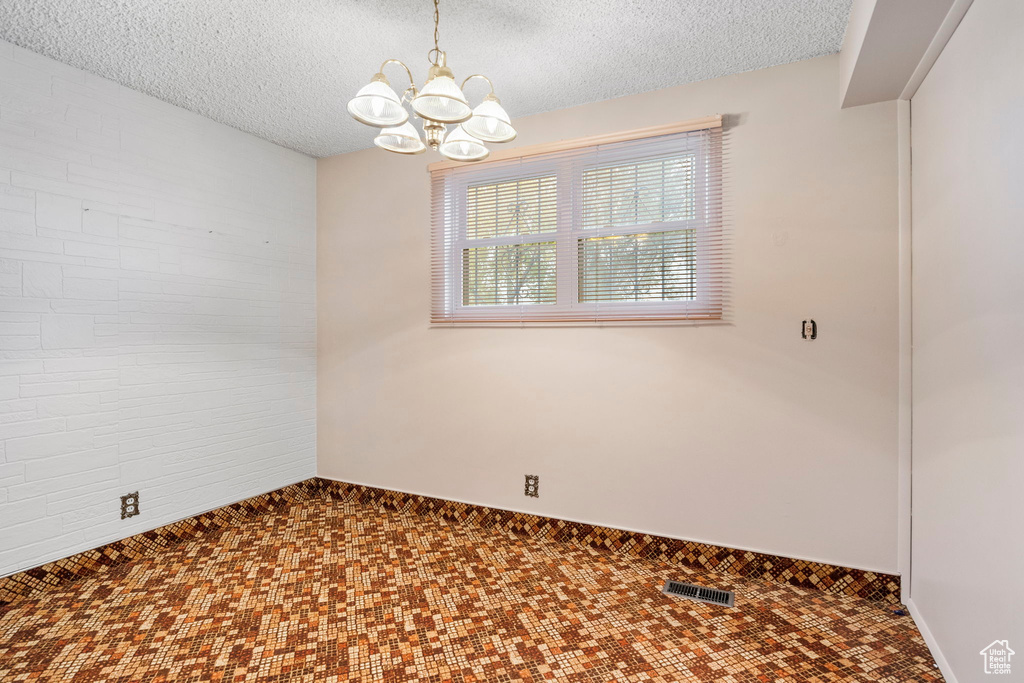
(129, 505)
(532, 488)
(809, 330)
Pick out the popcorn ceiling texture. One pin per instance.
(285, 70)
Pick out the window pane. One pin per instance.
(520, 207)
(656, 266)
(509, 274)
(637, 194)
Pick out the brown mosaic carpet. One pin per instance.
(328, 590)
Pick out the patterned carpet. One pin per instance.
(334, 591)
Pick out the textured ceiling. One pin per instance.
(284, 69)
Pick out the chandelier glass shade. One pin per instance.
(490, 123)
(404, 139)
(439, 104)
(461, 146)
(442, 100)
(377, 104)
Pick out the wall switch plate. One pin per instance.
(532, 488)
(809, 330)
(129, 505)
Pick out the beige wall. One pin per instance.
(743, 435)
(968, 203)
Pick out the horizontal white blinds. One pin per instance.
(614, 232)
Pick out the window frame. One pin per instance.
(461, 242)
(569, 170)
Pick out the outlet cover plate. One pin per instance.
(129, 505)
(532, 488)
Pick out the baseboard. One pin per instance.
(633, 530)
(744, 563)
(806, 574)
(929, 639)
(33, 582)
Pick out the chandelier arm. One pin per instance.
(469, 78)
(400, 62)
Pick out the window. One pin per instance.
(616, 229)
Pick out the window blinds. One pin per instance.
(627, 229)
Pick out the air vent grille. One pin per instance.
(699, 593)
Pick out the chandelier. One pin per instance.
(439, 104)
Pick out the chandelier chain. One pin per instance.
(437, 20)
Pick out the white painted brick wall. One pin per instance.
(157, 312)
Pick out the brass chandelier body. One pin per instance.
(439, 104)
